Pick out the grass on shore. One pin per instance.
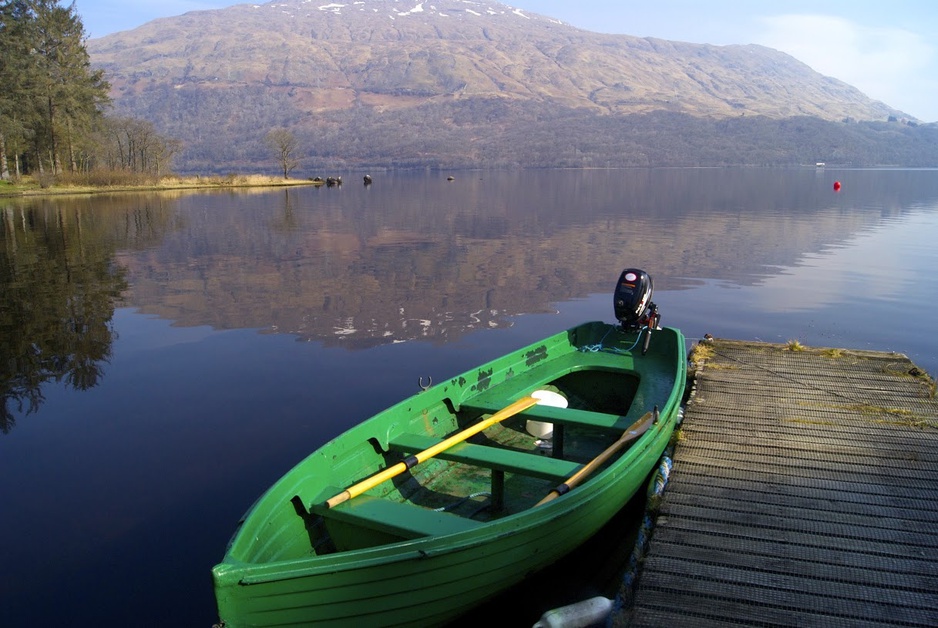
(128, 182)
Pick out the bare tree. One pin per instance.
(283, 143)
(166, 149)
(133, 145)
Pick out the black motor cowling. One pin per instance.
(632, 300)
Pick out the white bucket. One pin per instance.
(542, 429)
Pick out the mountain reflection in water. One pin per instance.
(413, 256)
(416, 256)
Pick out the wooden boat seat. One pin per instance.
(400, 519)
(504, 460)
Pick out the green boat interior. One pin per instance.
(500, 471)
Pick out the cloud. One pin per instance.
(890, 64)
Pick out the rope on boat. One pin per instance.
(600, 347)
(656, 488)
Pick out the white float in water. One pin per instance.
(585, 613)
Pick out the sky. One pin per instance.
(886, 49)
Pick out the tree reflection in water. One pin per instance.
(59, 285)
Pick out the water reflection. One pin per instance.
(413, 256)
(58, 289)
(421, 257)
(59, 285)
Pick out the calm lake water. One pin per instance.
(165, 357)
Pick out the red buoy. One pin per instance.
(837, 186)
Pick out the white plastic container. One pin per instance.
(541, 429)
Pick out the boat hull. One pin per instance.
(274, 574)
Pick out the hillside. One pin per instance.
(388, 83)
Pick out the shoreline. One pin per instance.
(170, 184)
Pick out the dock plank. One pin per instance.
(804, 492)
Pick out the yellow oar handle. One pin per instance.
(635, 430)
(357, 489)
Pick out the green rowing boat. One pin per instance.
(447, 498)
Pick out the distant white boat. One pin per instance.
(819, 164)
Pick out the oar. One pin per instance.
(635, 430)
(411, 461)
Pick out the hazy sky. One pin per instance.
(887, 49)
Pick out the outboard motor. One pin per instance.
(632, 303)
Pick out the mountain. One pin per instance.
(474, 83)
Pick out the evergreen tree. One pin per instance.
(51, 95)
(12, 71)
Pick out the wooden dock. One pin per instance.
(804, 492)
